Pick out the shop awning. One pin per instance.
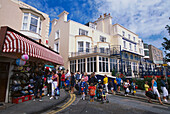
(17, 43)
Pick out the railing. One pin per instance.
(90, 51)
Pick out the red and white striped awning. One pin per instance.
(17, 43)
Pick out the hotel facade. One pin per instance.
(98, 46)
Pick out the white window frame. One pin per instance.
(124, 44)
(55, 47)
(38, 26)
(123, 33)
(81, 62)
(57, 34)
(102, 39)
(130, 46)
(83, 32)
(129, 36)
(134, 38)
(88, 47)
(81, 49)
(135, 47)
(91, 63)
(104, 64)
(73, 66)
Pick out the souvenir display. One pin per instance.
(25, 57)
(20, 62)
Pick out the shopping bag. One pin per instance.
(127, 90)
(57, 92)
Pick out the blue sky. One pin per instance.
(147, 18)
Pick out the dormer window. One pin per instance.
(31, 23)
(83, 32)
(102, 39)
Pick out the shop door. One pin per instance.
(4, 71)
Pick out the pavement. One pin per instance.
(32, 107)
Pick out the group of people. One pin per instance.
(84, 84)
(151, 92)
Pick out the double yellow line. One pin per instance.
(71, 100)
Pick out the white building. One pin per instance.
(95, 47)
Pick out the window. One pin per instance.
(73, 66)
(101, 50)
(102, 39)
(146, 46)
(57, 34)
(123, 33)
(129, 36)
(113, 64)
(32, 23)
(131, 56)
(103, 64)
(130, 46)
(56, 47)
(134, 66)
(81, 65)
(83, 32)
(91, 64)
(25, 21)
(87, 47)
(80, 47)
(134, 38)
(107, 50)
(146, 52)
(135, 47)
(124, 44)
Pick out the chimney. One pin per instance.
(63, 15)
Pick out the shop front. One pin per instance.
(15, 73)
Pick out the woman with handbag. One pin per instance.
(126, 87)
(154, 88)
(55, 83)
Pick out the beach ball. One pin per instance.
(25, 57)
(20, 62)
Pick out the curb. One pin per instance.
(49, 107)
(143, 98)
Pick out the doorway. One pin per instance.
(4, 71)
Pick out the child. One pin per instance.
(92, 89)
(72, 82)
(115, 85)
(126, 87)
(83, 85)
(67, 83)
(163, 88)
(133, 85)
(111, 86)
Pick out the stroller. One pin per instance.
(100, 93)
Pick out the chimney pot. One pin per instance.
(104, 14)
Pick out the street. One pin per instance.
(117, 104)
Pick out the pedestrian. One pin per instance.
(115, 85)
(49, 82)
(62, 80)
(86, 79)
(93, 79)
(92, 90)
(154, 88)
(72, 82)
(59, 75)
(163, 88)
(38, 84)
(67, 83)
(77, 76)
(67, 74)
(111, 85)
(147, 93)
(118, 83)
(83, 86)
(133, 87)
(105, 82)
(126, 87)
(54, 84)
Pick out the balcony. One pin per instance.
(112, 51)
(101, 51)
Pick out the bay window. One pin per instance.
(80, 46)
(91, 64)
(73, 66)
(102, 39)
(31, 23)
(103, 64)
(87, 47)
(81, 65)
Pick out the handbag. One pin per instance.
(57, 91)
(127, 90)
(151, 94)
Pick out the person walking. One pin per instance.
(72, 82)
(118, 83)
(111, 86)
(67, 74)
(49, 82)
(92, 93)
(154, 88)
(126, 87)
(86, 79)
(62, 80)
(163, 88)
(54, 84)
(147, 92)
(38, 84)
(105, 82)
(77, 76)
(59, 75)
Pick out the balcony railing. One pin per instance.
(90, 51)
